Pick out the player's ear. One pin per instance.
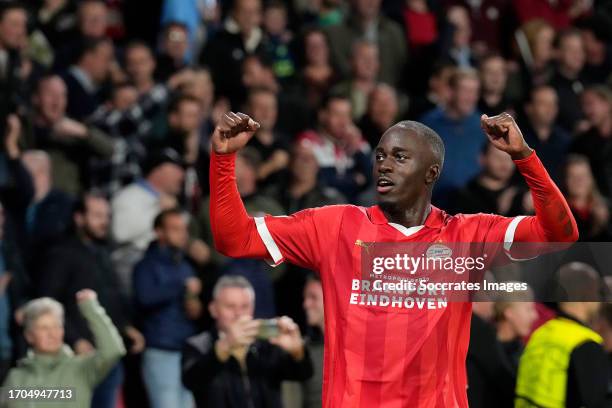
(432, 174)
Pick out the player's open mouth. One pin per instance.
(384, 185)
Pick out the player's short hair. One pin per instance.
(36, 308)
(431, 137)
(232, 281)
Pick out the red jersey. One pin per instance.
(379, 356)
(382, 356)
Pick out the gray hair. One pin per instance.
(36, 308)
(232, 281)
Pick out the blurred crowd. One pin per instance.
(107, 265)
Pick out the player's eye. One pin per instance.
(401, 156)
(380, 157)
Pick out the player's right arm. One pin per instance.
(298, 238)
(234, 232)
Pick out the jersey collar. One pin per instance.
(435, 219)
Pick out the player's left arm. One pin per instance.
(553, 220)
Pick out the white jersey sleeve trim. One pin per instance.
(266, 237)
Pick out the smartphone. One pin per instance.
(268, 328)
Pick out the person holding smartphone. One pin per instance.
(243, 361)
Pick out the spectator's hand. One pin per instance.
(138, 340)
(11, 139)
(71, 128)
(199, 252)
(193, 285)
(289, 338)
(233, 132)
(167, 202)
(83, 347)
(85, 295)
(242, 333)
(504, 134)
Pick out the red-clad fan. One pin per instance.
(384, 356)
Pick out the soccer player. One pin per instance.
(382, 356)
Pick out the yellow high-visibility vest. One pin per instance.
(542, 373)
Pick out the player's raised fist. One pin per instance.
(504, 134)
(233, 132)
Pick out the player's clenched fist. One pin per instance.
(233, 132)
(504, 133)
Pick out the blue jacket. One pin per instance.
(159, 291)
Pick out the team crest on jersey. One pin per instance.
(438, 251)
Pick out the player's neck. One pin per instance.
(408, 217)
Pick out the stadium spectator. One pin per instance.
(313, 306)
(541, 131)
(341, 152)
(494, 79)
(70, 143)
(437, 92)
(568, 80)
(317, 74)
(121, 118)
(458, 124)
(184, 126)
(81, 261)
(491, 191)
(217, 363)
(302, 188)
(365, 65)
(140, 65)
(491, 23)
(51, 362)
(92, 18)
(85, 79)
(278, 39)
(14, 285)
(596, 142)
(382, 112)
(225, 52)
(456, 46)
(365, 21)
(49, 215)
(591, 210)
(495, 348)
(13, 34)
(135, 206)
(535, 40)
(56, 20)
(174, 51)
(596, 36)
(269, 142)
(515, 314)
(578, 375)
(166, 293)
